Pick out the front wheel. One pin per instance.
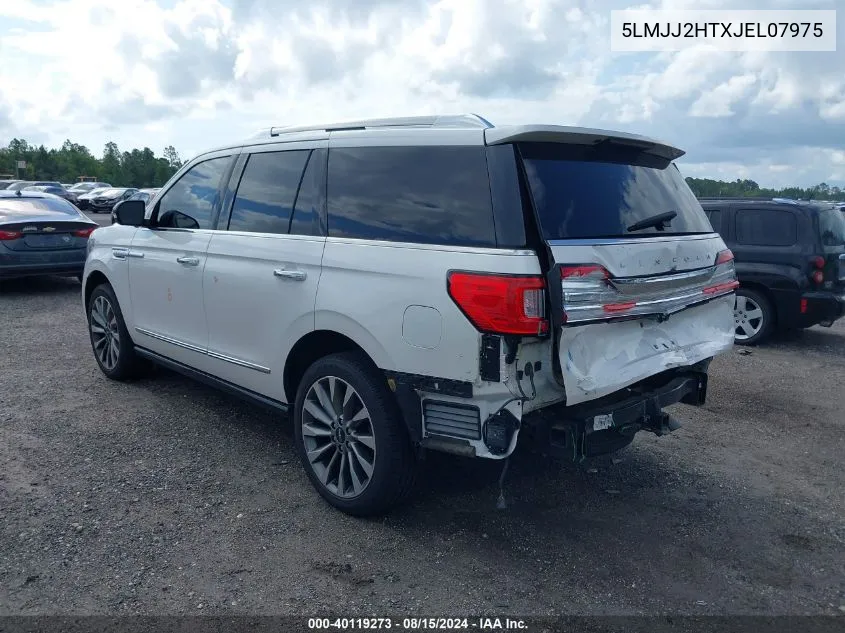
(753, 317)
(350, 436)
(113, 349)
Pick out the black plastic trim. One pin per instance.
(490, 362)
(431, 384)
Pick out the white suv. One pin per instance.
(423, 283)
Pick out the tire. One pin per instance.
(754, 317)
(104, 308)
(341, 451)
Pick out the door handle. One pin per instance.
(188, 261)
(295, 275)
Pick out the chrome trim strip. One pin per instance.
(598, 241)
(195, 348)
(639, 284)
(647, 315)
(172, 341)
(239, 362)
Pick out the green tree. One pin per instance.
(135, 168)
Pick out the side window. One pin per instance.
(190, 202)
(266, 193)
(766, 227)
(306, 213)
(715, 217)
(429, 195)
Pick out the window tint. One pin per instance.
(592, 192)
(832, 227)
(766, 227)
(13, 208)
(194, 196)
(306, 214)
(715, 217)
(265, 196)
(430, 195)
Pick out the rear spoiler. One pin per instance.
(578, 136)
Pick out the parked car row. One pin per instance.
(98, 197)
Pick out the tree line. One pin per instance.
(135, 168)
(705, 187)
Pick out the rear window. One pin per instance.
(595, 192)
(766, 227)
(832, 227)
(426, 195)
(26, 207)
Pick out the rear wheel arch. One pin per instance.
(311, 348)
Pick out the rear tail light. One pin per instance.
(501, 304)
(84, 232)
(10, 235)
(818, 262)
(724, 257)
(817, 276)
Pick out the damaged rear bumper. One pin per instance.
(610, 423)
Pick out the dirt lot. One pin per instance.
(163, 496)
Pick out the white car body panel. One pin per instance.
(167, 296)
(255, 316)
(602, 358)
(368, 286)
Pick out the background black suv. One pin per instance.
(790, 261)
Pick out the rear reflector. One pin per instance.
(803, 306)
(714, 290)
(501, 304)
(84, 232)
(10, 235)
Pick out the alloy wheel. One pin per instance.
(105, 333)
(748, 317)
(338, 435)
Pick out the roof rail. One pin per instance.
(441, 121)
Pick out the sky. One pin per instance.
(201, 73)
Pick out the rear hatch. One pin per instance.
(639, 282)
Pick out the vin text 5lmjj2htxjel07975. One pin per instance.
(428, 283)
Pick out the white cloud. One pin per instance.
(198, 73)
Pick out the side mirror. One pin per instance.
(176, 220)
(130, 212)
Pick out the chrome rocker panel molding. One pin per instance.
(199, 350)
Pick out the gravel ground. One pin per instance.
(165, 497)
